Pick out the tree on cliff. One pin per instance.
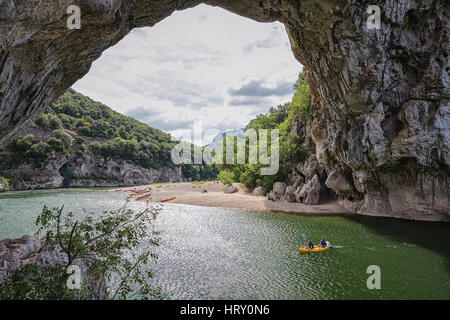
(291, 147)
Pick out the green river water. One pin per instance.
(216, 253)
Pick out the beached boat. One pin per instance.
(168, 199)
(139, 193)
(143, 197)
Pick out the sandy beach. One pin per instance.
(191, 194)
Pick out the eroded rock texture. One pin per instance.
(17, 253)
(383, 118)
(88, 171)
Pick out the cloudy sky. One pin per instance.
(202, 64)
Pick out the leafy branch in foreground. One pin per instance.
(117, 242)
(35, 282)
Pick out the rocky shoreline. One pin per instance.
(403, 184)
(88, 171)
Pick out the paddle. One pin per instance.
(304, 237)
(331, 247)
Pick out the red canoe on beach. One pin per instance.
(139, 193)
(168, 199)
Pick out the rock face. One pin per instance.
(338, 182)
(289, 195)
(124, 173)
(277, 194)
(258, 191)
(17, 253)
(310, 192)
(231, 189)
(88, 171)
(383, 95)
(27, 177)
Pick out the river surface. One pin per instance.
(216, 253)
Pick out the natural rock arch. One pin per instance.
(383, 93)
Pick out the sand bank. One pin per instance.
(191, 194)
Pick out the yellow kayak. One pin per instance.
(316, 249)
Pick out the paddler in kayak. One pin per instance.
(310, 245)
(323, 242)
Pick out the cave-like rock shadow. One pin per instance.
(434, 236)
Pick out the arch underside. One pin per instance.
(382, 95)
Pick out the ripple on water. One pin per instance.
(216, 253)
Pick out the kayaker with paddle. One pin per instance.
(323, 242)
(310, 245)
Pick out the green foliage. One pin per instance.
(250, 176)
(34, 282)
(49, 121)
(80, 139)
(227, 177)
(21, 145)
(55, 122)
(200, 172)
(63, 136)
(271, 120)
(68, 122)
(127, 139)
(28, 148)
(119, 137)
(121, 242)
(291, 148)
(102, 128)
(4, 183)
(56, 144)
(301, 102)
(39, 152)
(43, 121)
(118, 147)
(94, 119)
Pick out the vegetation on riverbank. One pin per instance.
(4, 184)
(104, 248)
(291, 148)
(75, 125)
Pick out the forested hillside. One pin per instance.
(293, 145)
(76, 127)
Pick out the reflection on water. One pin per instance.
(214, 253)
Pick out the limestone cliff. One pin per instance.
(381, 132)
(88, 171)
(404, 189)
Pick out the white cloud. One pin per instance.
(201, 64)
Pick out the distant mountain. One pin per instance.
(217, 141)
